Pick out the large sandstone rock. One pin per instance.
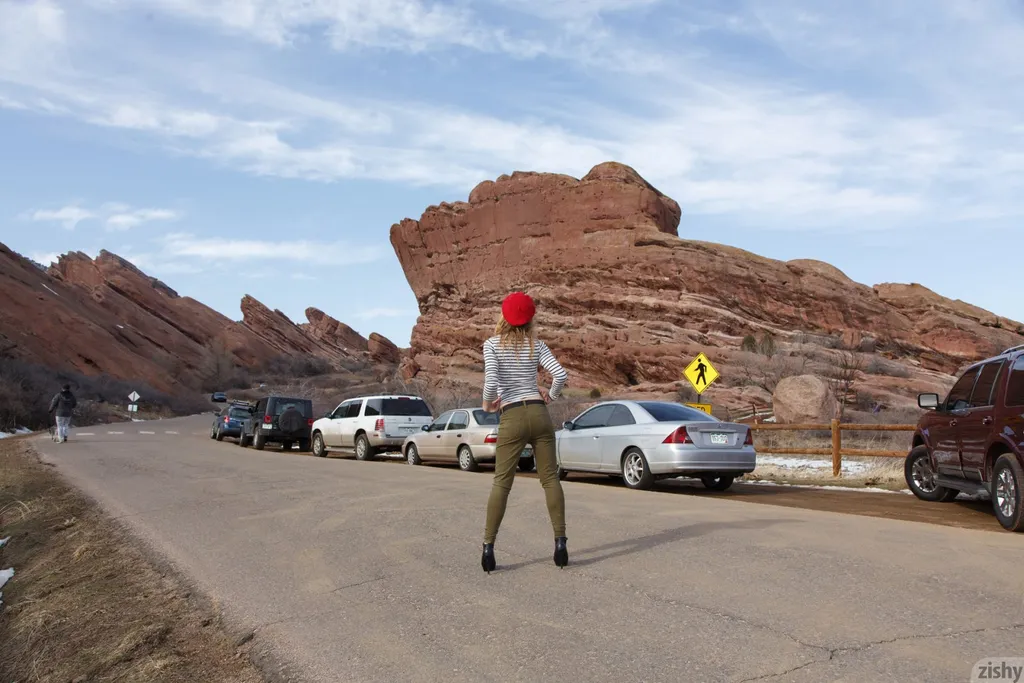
(625, 303)
(804, 399)
(326, 330)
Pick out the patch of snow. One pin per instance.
(870, 489)
(5, 576)
(17, 432)
(3, 541)
(120, 327)
(849, 466)
(50, 290)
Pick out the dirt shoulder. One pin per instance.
(85, 603)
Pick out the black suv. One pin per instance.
(279, 419)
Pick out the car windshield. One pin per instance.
(405, 407)
(486, 419)
(673, 412)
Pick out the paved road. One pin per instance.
(368, 571)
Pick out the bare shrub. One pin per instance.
(766, 373)
(842, 376)
(749, 344)
(886, 368)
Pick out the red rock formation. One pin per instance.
(106, 316)
(326, 330)
(383, 350)
(625, 302)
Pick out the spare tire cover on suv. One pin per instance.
(291, 420)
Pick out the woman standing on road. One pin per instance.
(511, 359)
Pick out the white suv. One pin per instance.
(370, 424)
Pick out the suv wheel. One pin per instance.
(319, 448)
(363, 451)
(527, 464)
(243, 440)
(220, 434)
(467, 463)
(1008, 492)
(412, 455)
(920, 477)
(259, 441)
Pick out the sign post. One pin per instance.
(701, 374)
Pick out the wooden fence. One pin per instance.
(836, 451)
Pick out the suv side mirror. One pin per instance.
(928, 401)
(568, 425)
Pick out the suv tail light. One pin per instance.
(310, 422)
(226, 419)
(749, 441)
(267, 419)
(678, 436)
(379, 426)
(491, 438)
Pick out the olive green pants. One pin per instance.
(519, 426)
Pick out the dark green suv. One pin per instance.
(279, 419)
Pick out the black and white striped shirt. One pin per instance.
(513, 376)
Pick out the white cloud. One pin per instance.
(374, 313)
(69, 216)
(125, 218)
(45, 259)
(188, 246)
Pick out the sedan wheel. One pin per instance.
(412, 455)
(319, 449)
(635, 470)
(467, 463)
(720, 483)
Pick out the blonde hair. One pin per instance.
(515, 336)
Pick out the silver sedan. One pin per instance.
(643, 441)
(467, 436)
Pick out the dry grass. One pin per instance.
(85, 604)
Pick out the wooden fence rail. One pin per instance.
(837, 451)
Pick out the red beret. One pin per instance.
(518, 309)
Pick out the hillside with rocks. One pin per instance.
(626, 303)
(105, 317)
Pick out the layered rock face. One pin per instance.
(625, 302)
(105, 316)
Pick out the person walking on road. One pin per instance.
(511, 359)
(63, 406)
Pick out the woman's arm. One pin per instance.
(491, 401)
(558, 374)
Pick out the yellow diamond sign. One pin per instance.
(701, 373)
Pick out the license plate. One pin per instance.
(722, 439)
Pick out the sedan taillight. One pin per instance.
(491, 438)
(749, 441)
(678, 436)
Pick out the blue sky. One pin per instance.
(267, 146)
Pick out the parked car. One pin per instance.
(643, 441)
(278, 419)
(973, 440)
(467, 436)
(370, 424)
(219, 397)
(229, 421)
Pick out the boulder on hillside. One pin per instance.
(803, 399)
(383, 350)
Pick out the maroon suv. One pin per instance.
(973, 441)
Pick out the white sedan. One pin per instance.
(643, 441)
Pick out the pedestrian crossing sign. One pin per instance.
(700, 373)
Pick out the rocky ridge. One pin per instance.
(105, 316)
(626, 303)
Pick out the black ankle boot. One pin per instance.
(487, 559)
(561, 552)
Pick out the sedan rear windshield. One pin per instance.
(405, 407)
(486, 419)
(673, 412)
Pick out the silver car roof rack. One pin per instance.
(1012, 349)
